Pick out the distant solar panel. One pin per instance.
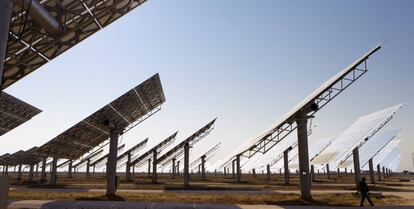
(125, 112)
(208, 155)
(392, 159)
(29, 46)
(133, 149)
(12, 159)
(370, 148)
(364, 128)
(102, 160)
(140, 160)
(178, 150)
(14, 112)
(386, 151)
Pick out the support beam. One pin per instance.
(43, 173)
(31, 173)
(286, 166)
(70, 168)
(154, 166)
(379, 172)
(53, 171)
(383, 172)
(254, 172)
(186, 165)
(19, 172)
(346, 171)
(203, 167)
(338, 172)
(88, 166)
(233, 169)
(37, 170)
(173, 167)
(111, 184)
(313, 172)
(224, 171)
(178, 168)
(371, 171)
(128, 167)
(304, 174)
(357, 168)
(268, 172)
(328, 172)
(238, 169)
(149, 168)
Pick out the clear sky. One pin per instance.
(245, 62)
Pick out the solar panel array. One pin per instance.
(391, 147)
(14, 112)
(133, 150)
(125, 112)
(372, 147)
(139, 161)
(178, 150)
(29, 46)
(321, 96)
(364, 128)
(102, 160)
(208, 155)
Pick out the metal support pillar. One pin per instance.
(383, 172)
(19, 172)
(128, 167)
(328, 172)
(286, 166)
(173, 168)
(154, 166)
(178, 168)
(53, 172)
(357, 168)
(6, 8)
(203, 167)
(313, 172)
(371, 171)
(186, 164)
(338, 172)
(268, 171)
(238, 169)
(37, 170)
(379, 172)
(70, 168)
(43, 173)
(304, 174)
(31, 172)
(224, 171)
(111, 184)
(254, 172)
(88, 163)
(149, 168)
(233, 169)
(346, 171)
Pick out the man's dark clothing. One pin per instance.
(363, 188)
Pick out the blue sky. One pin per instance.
(245, 62)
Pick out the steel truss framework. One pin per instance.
(320, 97)
(29, 46)
(142, 159)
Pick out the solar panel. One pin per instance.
(208, 155)
(102, 160)
(29, 46)
(125, 112)
(386, 151)
(139, 161)
(370, 148)
(392, 160)
(133, 149)
(320, 97)
(178, 150)
(14, 112)
(364, 128)
(90, 158)
(12, 159)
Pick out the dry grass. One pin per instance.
(274, 199)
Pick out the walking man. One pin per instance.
(363, 188)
